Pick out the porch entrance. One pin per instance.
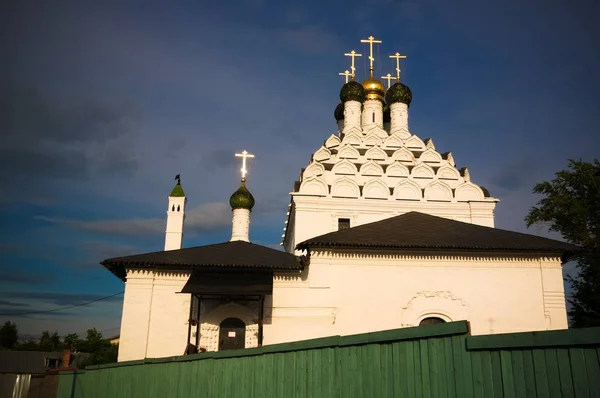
(232, 334)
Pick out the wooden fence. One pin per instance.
(430, 361)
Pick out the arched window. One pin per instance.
(177, 207)
(173, 208)
(432, 320)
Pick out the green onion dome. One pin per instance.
(386, 114)
(339, 112)
(398, 93)
(352, 91)
(242, 198)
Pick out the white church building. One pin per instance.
(382, 232)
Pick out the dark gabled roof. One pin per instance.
(423, 231)
(236, 254)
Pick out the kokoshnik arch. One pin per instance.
(383, 231)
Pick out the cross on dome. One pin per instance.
(371, 40)
(388, 77)
(347, 74)
(244, 155)
(397, 56)
(352, 54)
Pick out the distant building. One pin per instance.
(383, 231)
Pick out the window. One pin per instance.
(343, 223)
(373, 117)
(431, 321)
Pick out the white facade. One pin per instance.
(240, 228)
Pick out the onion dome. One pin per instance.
(339, 112)
(374, 89)
(352, 91)
(242, 198)
(387, 117)
(398, 93)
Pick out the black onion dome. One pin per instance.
(386, 114)
(339, 112)
(398, 93)
(352, 91)
(242, 198)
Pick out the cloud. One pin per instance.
(14, 275)
(12, 304)
(217, 159)
(515, 175)
(205, 217)
(59, 299)
(47, 136)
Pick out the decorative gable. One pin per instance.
(376, 189)
(397, 169)
(447, 172)
(345, 188)
(314, 169)
(438, 191)
(407, 190)
(345, 167)
(403, 155)
(348, 152)
(448, 156)
(314, 186)
(429, 143)
(430, 156)
(377, 131)
(322, 154)
(372, 140)
(352, 139)
(371, 169)
(422, 171)
(414, 143)
(468, 192)
(376, 153)
(332, 141)
(393, 141)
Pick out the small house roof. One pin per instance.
(235, 254)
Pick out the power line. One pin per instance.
(60, 308)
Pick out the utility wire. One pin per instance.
(60, 308)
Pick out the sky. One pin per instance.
(103, 103)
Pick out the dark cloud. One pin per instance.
(218, 159)
(46, 136)
(515, 175)
(15, 275)
(6, 303)
(59, 299)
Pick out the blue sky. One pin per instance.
(102, 103)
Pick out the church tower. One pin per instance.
(241, 203)
(376, 167)
(175, 217)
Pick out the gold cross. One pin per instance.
(352, 54)
(398, 57)
(244, 155)
(388, 77)
(347, 74)
(371, 40)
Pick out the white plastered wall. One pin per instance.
(357, 292)
(155, 315)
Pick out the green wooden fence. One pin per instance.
(431, 361)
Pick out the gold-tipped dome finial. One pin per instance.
(374, 89)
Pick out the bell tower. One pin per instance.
(175, 217)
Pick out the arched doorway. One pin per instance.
(432, 320)
(232, 334)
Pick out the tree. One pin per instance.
(8, 335)
(70, 340)
(571, 206)
(49, 342)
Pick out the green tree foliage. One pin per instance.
(70, 340)
(571, 206)
(8, 335)
(50, 342)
